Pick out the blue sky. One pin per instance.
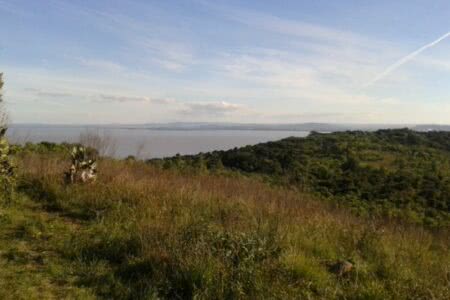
(229, 61)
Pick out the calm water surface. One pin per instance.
(151, 143)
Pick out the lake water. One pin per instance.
(150, 143)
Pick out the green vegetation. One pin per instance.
(6, 168)
(6, 171)
(141, 232)
(31, 264)
(390, 173)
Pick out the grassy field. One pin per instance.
(144, 233)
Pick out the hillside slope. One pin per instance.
(394, 173)
(140, 232)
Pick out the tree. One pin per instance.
(6, 168)
(2, 113)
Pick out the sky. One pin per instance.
(259, 61)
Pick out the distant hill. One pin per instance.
(431, 127)
(310, 126)
(397, 172)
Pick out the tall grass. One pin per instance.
(159, 234)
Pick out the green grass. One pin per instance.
(30, 260)
(145, 233)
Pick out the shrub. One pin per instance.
(6, 168)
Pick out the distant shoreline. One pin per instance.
(320, 127)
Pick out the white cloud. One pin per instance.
(211, 108)
(36, 92)
(97, 97)
(103, 98)
(54, 94)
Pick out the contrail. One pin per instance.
(405, 59)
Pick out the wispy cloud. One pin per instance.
(10, 8)
(54, 94)
(100, 64)
(288, 27)
(308, 57)
(295, 76)
(435, 63)
(278, 70)
(406, 59)
(47, 94)
(126, 99)
(95, 97)
(211, 108)
(171, 55)
(144, 39)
